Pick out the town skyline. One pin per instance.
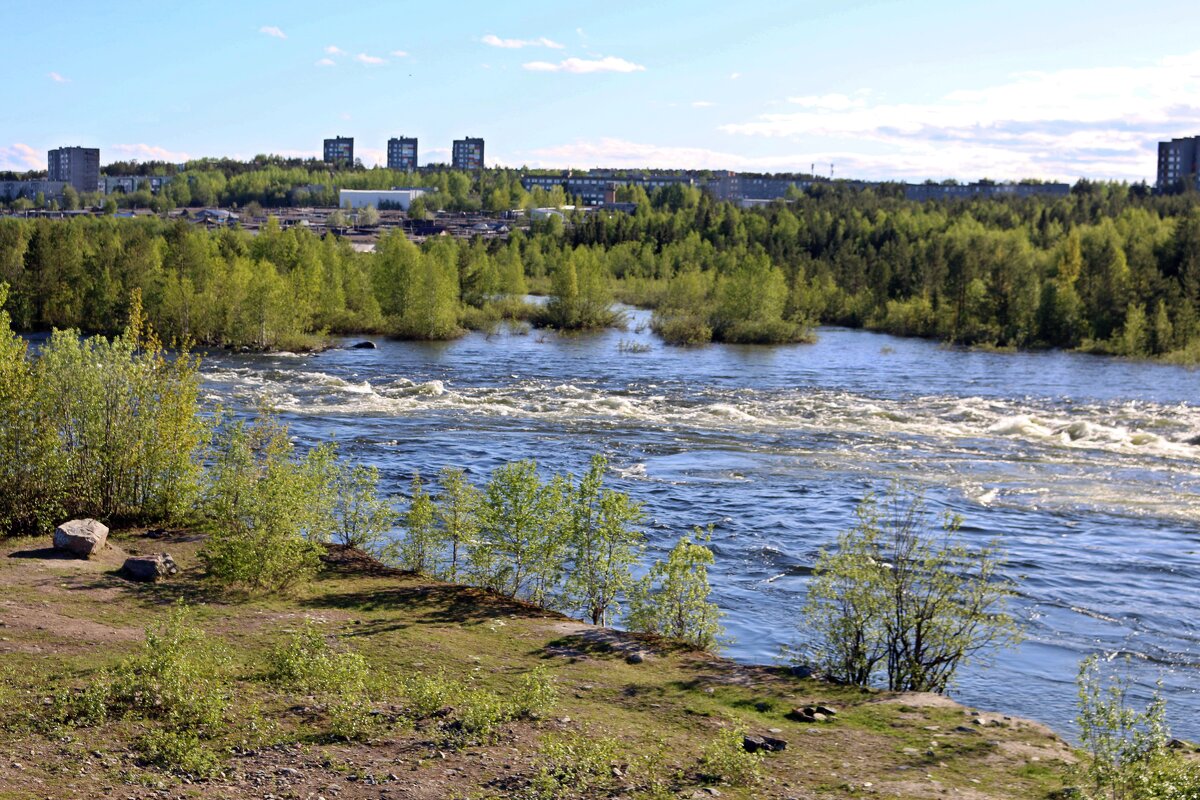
(1054, 93)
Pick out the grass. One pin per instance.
(509, 697)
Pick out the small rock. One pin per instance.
(364, 345)
(826, 710)
(149, 569)
(634, 658)
(753, 744)
(288, 772)
(82, 537)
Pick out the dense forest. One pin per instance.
(1110, 268)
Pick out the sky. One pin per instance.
(915, 90)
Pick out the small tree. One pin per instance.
(458, 512)
(418, 551)
(362, 518)
(603, 545)
(893, 594)
(672, 600)
(1127, 754)
(268, 510)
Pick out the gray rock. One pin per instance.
(634, 658)
(148, 569)
(365, 345)
(81, 537)
(770, 744)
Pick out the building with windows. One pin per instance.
(1177, 164)
(467, 154)
(78, 166)
(379, 198)
(402, 154)
(339, 150)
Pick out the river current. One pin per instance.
(1085, 469)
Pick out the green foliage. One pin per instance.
(581, 293)
(97, 428)
(893, 597)
(308, 662)
(180, 751)
(536, 695)
(603, 544)
(672, 599)
(457, 508)
(574, 765)
(520, 551)
(1126, 750)
(267, 508)
(362, 518)
(725, 760)
(419, 552)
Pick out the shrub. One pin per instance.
(179, 751)
(725, 759)
(574, 765)
(1126, 750)
(536, 696)
(267, 508)
(896, 598)
(428, 694)
(308, 662)
(419, 550)
(362, 518)
(672, 600)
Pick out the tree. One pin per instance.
(672, 600)
(520, 552)
(362, 518)
(894, 596)
(1127, 757)
(602, 543)
(458, 506)
(419, 550)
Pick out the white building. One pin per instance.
(387, 198)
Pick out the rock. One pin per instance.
(801, 715)
(752, 744)
(634, 658)
(826, 710)
(288, 772)
(364, 345)
(81, 537)
(150, 568)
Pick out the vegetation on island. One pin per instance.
(1110, 268)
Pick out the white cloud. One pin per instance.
(373, 61)
(581, 66)
(703, 104)
(54, 76)
(20, 157)
(326, 62)
(733, 76)
(271, 30)
(516, 44)
(334, 50)
(147, 152)
(1099, 122)
(400, 54)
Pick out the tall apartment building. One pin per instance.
(339, 150)
(1177, 162)
(402, 154)
(78, 166)
(467, 154)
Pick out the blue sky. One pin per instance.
(908, 90)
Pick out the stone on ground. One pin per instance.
(81, 537)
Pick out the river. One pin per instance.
(1083, 468)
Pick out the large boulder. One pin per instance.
(149, 569)
(81, 537)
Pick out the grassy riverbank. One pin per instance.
(63, 622)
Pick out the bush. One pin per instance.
(536, 696)
(1127, 754)
(267, 508)
(895, 598)
(725, 759)
(179, 751)
(362, 518)
(574, 765)
(306, 661)
(672, 600)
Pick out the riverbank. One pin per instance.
(64, 620)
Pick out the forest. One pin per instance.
(1110, 269)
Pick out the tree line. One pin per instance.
(1109, 268)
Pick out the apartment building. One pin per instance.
(402, 154)
(1177, 163)
(339, 150)
(467, 154)
(78, 166)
